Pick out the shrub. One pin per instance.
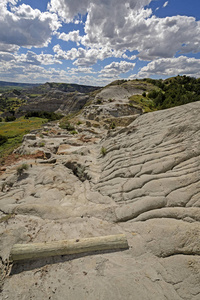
(73, 132)
(112, 125)
(3, 139)
(20, 169)
(10, 119)
(41, 144)
(16, 92)
(99, 101)
(68, 126)
(103, 151)
(51, 116)
(153, 94)
(144, 94)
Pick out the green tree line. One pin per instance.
(174, 91)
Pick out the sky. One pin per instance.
(95, 42)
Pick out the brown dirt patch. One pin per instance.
(13, 158)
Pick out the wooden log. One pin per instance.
(40, 250)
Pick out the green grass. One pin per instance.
(8, 88)
(10, 103)
(34, 95)
(103, 151)
(65, 124)
(15, 131)
(20, 169)
(6, 218)
(73, 132)
(144, 102)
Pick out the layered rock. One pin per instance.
(56, 101)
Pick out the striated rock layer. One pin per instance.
(145, 184)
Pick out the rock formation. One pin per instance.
(141, 180)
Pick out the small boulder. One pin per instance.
(29, 137)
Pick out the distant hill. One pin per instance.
(63, 87)
(10, 85)
(43, 88)
(146, 94)
(20, 98)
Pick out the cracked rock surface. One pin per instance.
(145, 185)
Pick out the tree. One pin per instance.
(3, 139)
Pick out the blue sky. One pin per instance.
(96, 42)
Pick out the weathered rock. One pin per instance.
(145, 186)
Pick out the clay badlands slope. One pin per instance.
(146, 186)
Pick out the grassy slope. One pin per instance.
(162, 94)
(15, 131)
(144, 102)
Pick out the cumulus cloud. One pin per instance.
(39, 74)
(152, 37)
(133, 57)
(37, 59)
(85, 57)
(5, 56)
(31, 73)
(111, 27)
(81, 70)
(172, 66)
(69, 9)
(130, 25)
(20, 25)
(29, 67)
(168, 36)
(71, 36)
(8, 48)
(29, 58)
(116, 68)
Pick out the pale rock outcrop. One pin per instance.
(144, 184)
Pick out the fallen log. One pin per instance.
(65, 247)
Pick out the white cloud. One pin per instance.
(133, 57)
(152, 37)
(30, 58)
(85, 57)
(39, 74)
(21, 25)
(165, 4)
(71, 36)
(5, 56)
(5, 2)
(172, 66)
(31, 73)
(116, 68)
(121, 26)
(37, 59)
(81, 70)
(168, 36)
(111, 28)
(8, 48)
(69, 9)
